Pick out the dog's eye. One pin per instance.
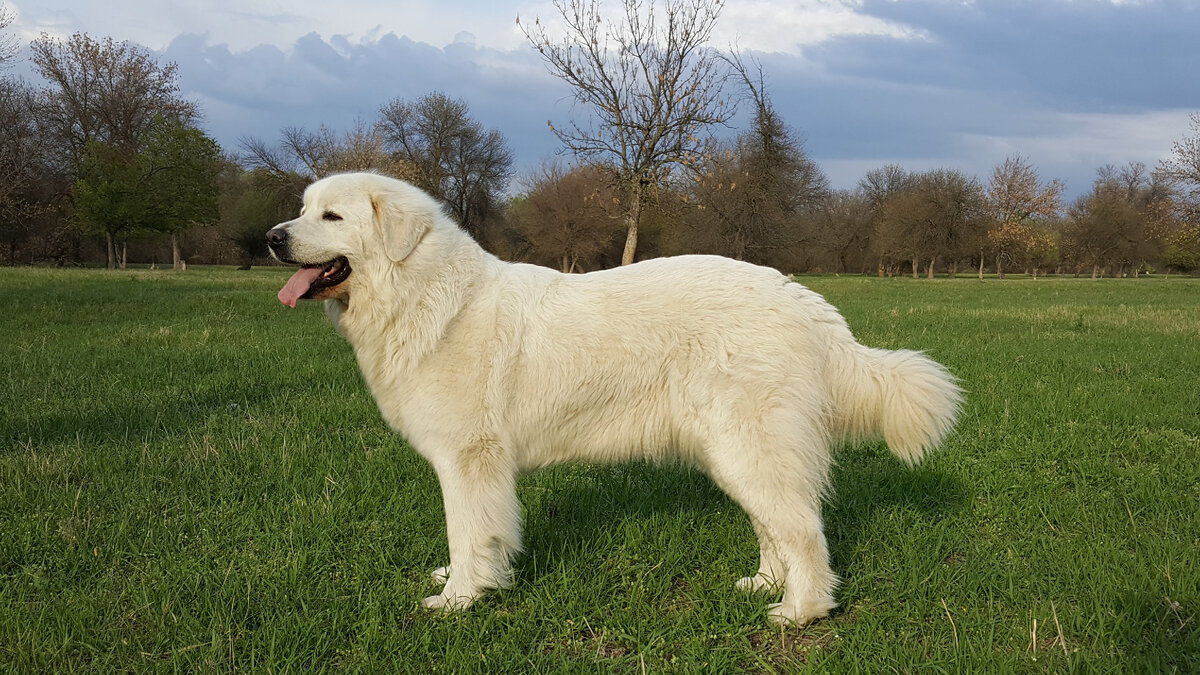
(330, 215)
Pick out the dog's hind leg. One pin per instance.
(483, 524)
(779, 486)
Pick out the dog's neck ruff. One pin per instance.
(395, 326)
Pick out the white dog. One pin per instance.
(490, 368)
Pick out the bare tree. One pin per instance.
(103, 90)
(450, 155)
(650, 83)
(21, 162)
(1183, 167)
(1016, 193)
(761, 194)
(930, 218)
(878, 187)
(323, 152)
(303, 156)
(1111, 226)
(566, 215)
(8, 43)
(879, 184)
(1018, 200)
(845, 229)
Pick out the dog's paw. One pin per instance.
(441, 574)
(448, 602)
(755, 584)
(790, 615)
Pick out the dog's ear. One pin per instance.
(401, 223)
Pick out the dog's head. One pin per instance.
(349, 221)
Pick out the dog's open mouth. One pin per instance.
(311, 280)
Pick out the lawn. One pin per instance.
(193, 477)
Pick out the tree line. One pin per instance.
(105, 159)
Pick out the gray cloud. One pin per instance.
(259, 91)
(1071, 84)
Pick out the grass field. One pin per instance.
(193, 477)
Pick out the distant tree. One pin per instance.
(1019, 202)
(9, 45)
(166, 187)
(316, 154)
(108, 196)
(22, 156)
(650, 83)
(253, 202)
(1111, 225)
(880, 184)
(761, 194)
(878, 187)
(450, 155)
(181, 165)
(105, 91)
(1182, 247)
(845, 228)
(567, 216)
(1183, 167)
(929, 216)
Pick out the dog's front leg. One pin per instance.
(483, 523)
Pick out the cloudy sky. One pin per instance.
(1069, 84)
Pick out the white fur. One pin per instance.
(489, 368)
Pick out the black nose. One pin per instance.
(277, 236)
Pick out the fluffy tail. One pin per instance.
(903, 396)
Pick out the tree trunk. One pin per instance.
(112, 251)
(175, 261)
(954, 269)
(124, 252)
(931, 262)
(999, 266)
(981, 266)
(632, 216)
(916, 268)
(1095, 271)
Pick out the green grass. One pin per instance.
(193, 477)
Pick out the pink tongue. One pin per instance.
(298, 285)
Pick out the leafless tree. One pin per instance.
(103, 90)
(845, 228)
(931, 218)
(1112, 225)
(21, 162)
(1183, 167)
(450, 155)
(649, 82)
(1019, 202)
(9, 45)
(302, 156)
(315, 154)
(1016, 193)
(879, 186)
(759, 195)
(566, 215)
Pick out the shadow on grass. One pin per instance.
(572, 509)
(145, 414)
(867, 481)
